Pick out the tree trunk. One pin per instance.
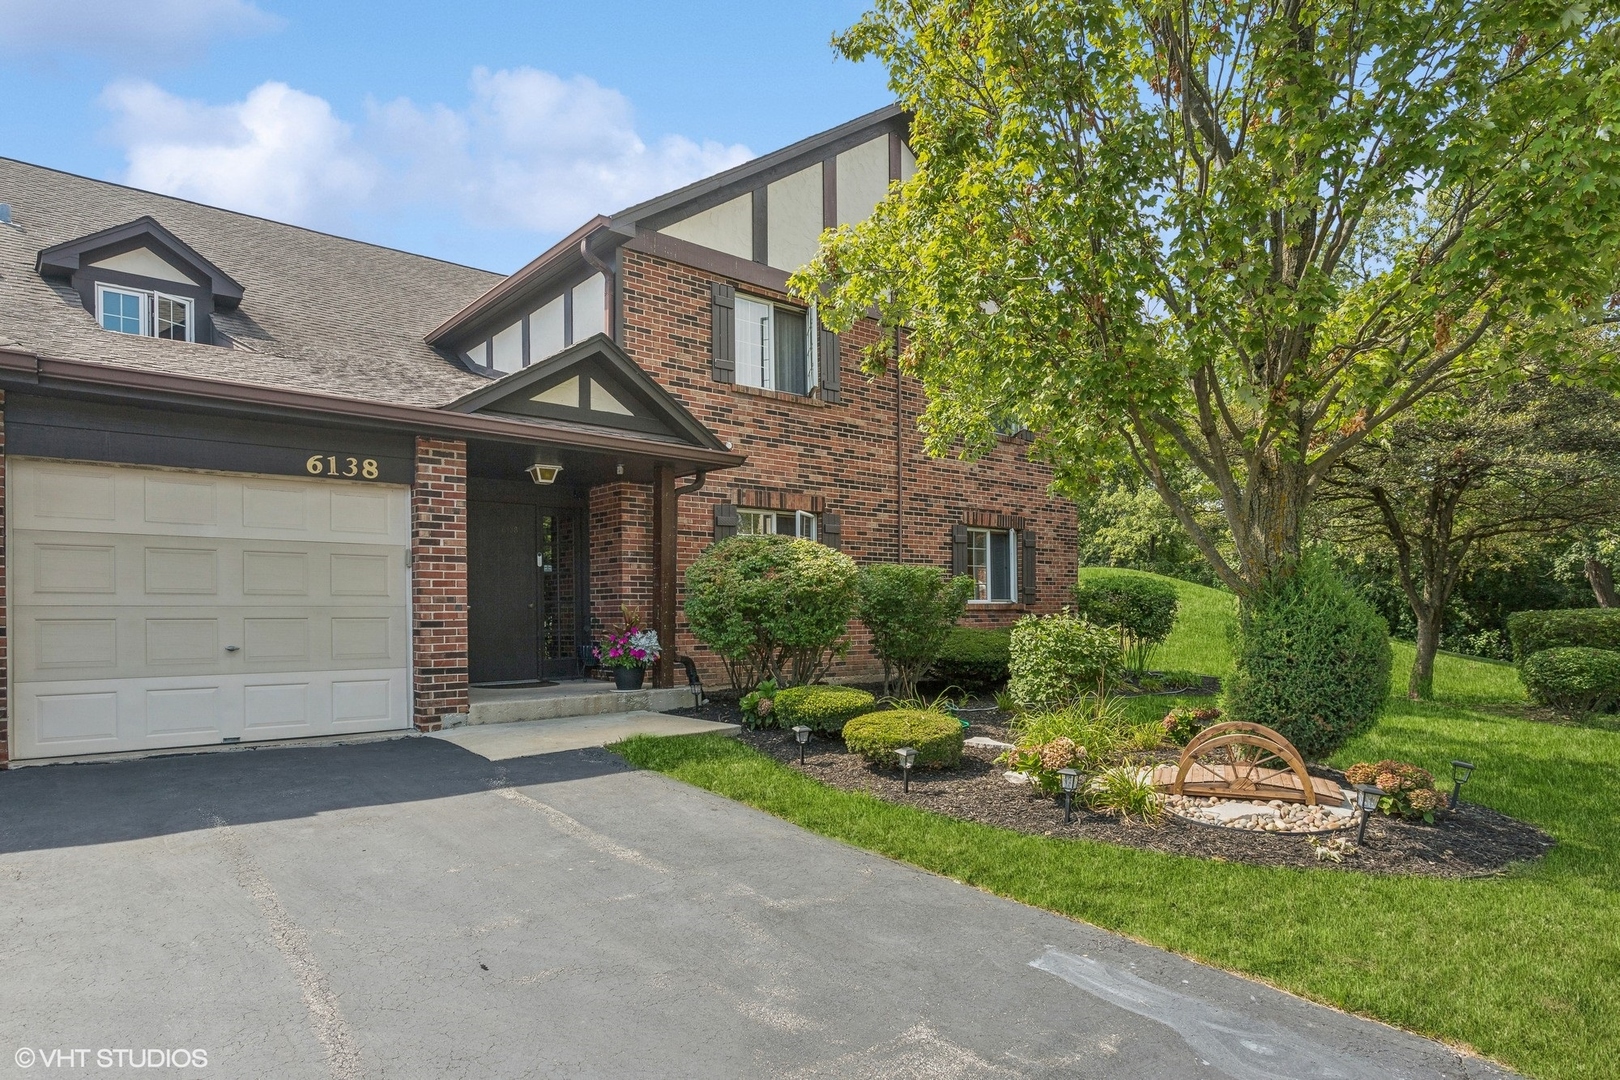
(1601, 578)
(1420, 686)
(1271, 532)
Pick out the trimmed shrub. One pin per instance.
(1143, 608)
(772, 607)
(820, 708)
(1056, 659)
(1313, 661)
(1535, 631)
(936, 737)
(1573, 679)
(973, 658)
(909, 610)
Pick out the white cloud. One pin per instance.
(137, 33)
(279, 153)
(530, 151)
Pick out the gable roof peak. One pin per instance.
(66, 259)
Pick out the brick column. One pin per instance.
(439, 580)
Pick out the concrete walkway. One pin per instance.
(409, 909)
(501, 742)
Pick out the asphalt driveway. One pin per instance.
(409, 909)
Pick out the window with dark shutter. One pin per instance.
(1026, 570)
(723, 324)
(959, 550)
(831, 369)
(725, 521)
(832, 529)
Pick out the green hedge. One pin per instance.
(936, 737)
(1143, 608)
(1574, 679)
(821, 708)
(1533, 631)
(973, 659)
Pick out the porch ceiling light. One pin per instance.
(543, 472)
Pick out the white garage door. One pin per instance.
(157, 608)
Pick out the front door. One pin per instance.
(521, 570)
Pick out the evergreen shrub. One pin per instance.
(821, 708)
(1574, 679)
(936, 736)
(1533, 631)
(973, 658)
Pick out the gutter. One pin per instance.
(43, 371)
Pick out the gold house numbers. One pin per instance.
(347, 467)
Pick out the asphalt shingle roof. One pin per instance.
(320, 313)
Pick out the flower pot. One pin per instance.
(628, 678)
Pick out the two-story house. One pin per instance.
(262, 482)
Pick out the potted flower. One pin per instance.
(629, 652)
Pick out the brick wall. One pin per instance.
(621, 553)
(5, 634)
(439, 580)
(860, 458)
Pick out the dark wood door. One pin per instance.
(503, 593)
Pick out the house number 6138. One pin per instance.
(327, 465)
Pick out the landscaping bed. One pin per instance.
(1475, 841)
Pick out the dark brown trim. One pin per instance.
(64, 260)
(894, 156)
(666, 540)
(715, 262)
(515, 287)
(829, 192)
(28, 369)
(762, 225)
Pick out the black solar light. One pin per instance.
(1367, 798)
(908, 758)
(1460, 772)
(1071, 780)
(801, 733)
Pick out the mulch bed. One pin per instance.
(1474, 841)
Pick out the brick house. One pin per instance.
(261, 482)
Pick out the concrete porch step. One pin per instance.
(508, 705)
(498, 742)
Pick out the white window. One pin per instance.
(776, 347)
(144, 314)
(993, 564)
(770, 523)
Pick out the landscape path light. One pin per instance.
(1460, 772)
(908, 758)
(1071, 780)
(1367, 798)
(801, 733)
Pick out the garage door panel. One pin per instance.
(158, 608)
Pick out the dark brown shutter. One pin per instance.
(832, 529)
(725, 520)
(723, 328)
(1026, 569)
(831, 368)
(959, 549)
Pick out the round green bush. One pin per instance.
(772, 607)
(820, 708)
(1575, 678)
(1313, 661)
(936, 737)
(909, 609)
(1536, 631)
(1055, 659)
(1144, 609)
(973, 658)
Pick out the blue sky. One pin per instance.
(477, 132)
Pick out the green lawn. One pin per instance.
(1525, 968)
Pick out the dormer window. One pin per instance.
(144, 314)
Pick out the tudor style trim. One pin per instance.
(65, 260)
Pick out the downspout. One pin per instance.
(609, 289)
(695, 485)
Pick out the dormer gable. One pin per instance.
(592, 382)
(139, 278)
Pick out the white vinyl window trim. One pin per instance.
(756, 344)
(144, 313)
(773, 523)
(993, 565)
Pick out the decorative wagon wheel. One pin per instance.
(1249, 773)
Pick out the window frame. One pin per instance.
(802, 520)
(148, 299)
(766, 362)
(987, 584)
